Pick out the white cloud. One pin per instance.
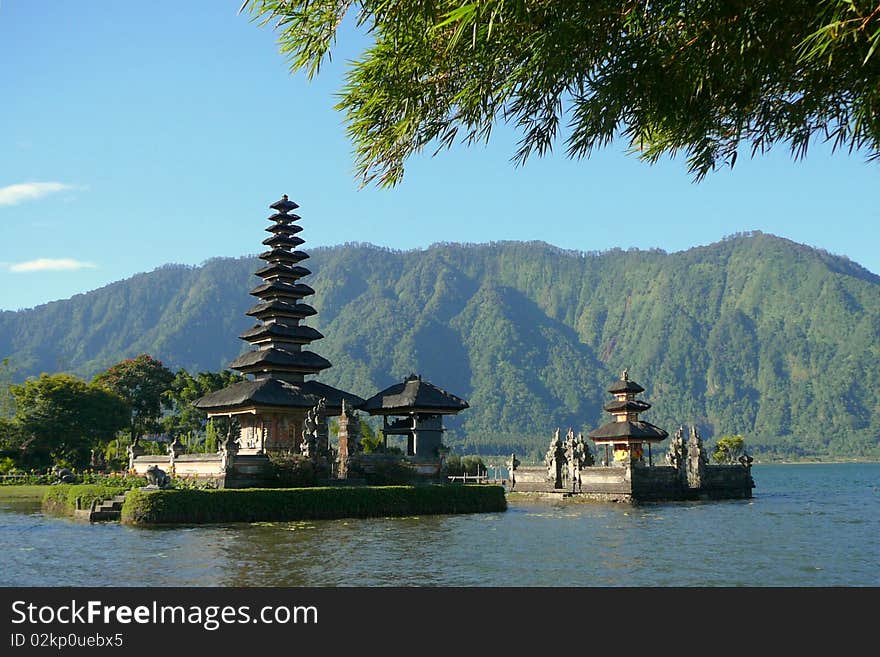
(30, 191)
(50, 264)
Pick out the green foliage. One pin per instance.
(389, 471)
(61, 499)
(702, 77)
(469, 465)
(16, 477)
(754, 335)
(371, 441)
(293, 470)
(728, 449)
(141, 382)
(280, 505)
(60, 417)
(184, 418)
(212, 440)
(7, 400)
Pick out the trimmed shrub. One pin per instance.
(279, 504)
(391, 472)
(61, 499)
(293, 471)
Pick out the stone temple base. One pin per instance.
(639, 484)
(243, 471)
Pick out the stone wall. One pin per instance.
(727, 481)
(244, 471)
(657, 483)
(642, 483)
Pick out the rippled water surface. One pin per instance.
(808, 525)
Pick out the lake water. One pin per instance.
(807, 525)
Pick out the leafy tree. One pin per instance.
(140, 382)
(372, 441)
(468, 465)
(728, 449)
(184, 389)
(61, 418)
(701, 77)
(7, 401)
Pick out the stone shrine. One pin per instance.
(627, 472)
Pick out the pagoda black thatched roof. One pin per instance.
(332, 396)
(283, 255)
(281, 359)
(284, 271)
(276, 330)
(263, 392)
(275, 288)
(414, 394)
(284, 205)
(630, 406)
(638, 431)
(625, 385)
(283, 217)
(285, 229)
(291, 241)
(282, 308)
(277, 393)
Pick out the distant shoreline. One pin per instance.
(835, 462)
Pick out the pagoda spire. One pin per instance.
(279, 337)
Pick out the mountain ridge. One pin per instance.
(754, 334)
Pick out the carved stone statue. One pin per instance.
(176, 448)
(63, 475)
(350, 446)
(512, 465)
(696, 459)
(322, 431)
(555, 460)
(585, 454)
(310, 426)
(746, 461)
(675, 455)
(134, 450)
(158, 477)
(229, 447)
(573, 459)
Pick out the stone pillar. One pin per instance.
(349, 441)
(228, 450)
(512, 465)
(134, 450)
(696, 460)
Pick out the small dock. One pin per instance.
(477, 479)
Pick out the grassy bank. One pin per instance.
(61, 499)
(33, 493)
(285, 504)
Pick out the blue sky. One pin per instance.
(138, 134)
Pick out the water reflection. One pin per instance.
(807, 526)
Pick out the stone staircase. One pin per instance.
(107, 510)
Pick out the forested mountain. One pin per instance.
(755, 335)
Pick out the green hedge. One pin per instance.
(284, 504)
(61, 498)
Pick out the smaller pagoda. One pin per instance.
(415, 409)
(626, 436)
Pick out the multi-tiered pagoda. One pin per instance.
(271, 408)
(626, 435)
